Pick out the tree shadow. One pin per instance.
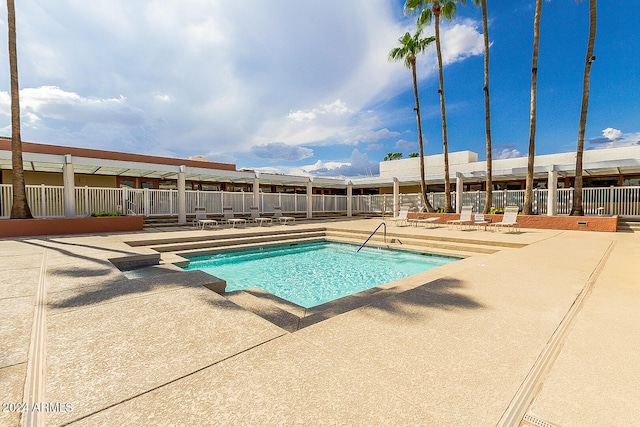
(441, 294)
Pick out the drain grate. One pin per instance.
(536, 421)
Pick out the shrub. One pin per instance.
(104, 213)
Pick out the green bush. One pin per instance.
(104, 213)
(496, 210)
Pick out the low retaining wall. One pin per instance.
(58, 226)
(582, 223)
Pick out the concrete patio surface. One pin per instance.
(540, 335)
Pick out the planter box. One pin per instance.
(59, 226)
(582, 223)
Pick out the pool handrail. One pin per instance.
(374, 232)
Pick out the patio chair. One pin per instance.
(509, 219)
(421, 219)
(465, 218)
(255, 216)
(229, 217)
(402, 216)
(201, 219)
(281, 219)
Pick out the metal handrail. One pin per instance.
(374, 232)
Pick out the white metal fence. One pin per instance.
(48, 201)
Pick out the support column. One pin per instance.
(182, 197)
(256, 191)
(310, 198)
(69, 187)
(396, 197)
(459, 190)
(552, 192)
(349, 199)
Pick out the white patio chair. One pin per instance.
(402, 216)
(465, 218)
(282, 219)
(229, 217)
(509, 219)
(255, 216)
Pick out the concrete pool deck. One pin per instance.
(547, 331)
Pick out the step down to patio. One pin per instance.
(628, 227)
(227, 240)
(433, 244)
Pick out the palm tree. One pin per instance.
(488, 201)
(577, 209)
(20, 206)
(447, 9)
(410, 46)
(528, 193)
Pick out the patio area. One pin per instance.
(543, 330)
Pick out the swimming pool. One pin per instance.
(311, 274)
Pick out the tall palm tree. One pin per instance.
(488, 200)
(20, 206)
(577, 209)
(446, 9)
(528, 193)
(409, 47)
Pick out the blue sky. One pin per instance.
(306, 87)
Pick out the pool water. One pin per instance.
(311, 274)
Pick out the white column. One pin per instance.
(459, 190)
(256, 191)
(349, 199)
(396, 197)
(69, 187)
(552, 195)
(182, 197)
(310, 198)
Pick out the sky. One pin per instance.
(306, 87)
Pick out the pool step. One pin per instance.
(237, 241)
(441, 246)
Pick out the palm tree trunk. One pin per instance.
(488, 201)
(445, 144)
(20, 207)
(577, 208)
(423, 186)
(528, 194)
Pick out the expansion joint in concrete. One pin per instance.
(35, 383)
(532, 384)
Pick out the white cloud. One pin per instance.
(213, 77)
(611, 133)
(358, 165)
(612, 138)
(506, 153)
(281, 151)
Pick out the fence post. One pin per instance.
(146, 203)
(611, 196)
(43, 202)
(535, 200)
(86, 203)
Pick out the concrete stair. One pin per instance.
(432, 244)
(267, 236)
(628, 226)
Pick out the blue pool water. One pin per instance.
(314, 273)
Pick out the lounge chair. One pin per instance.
(402, 216)
(255, 216)
(229, 217)
(201, 219)
(509, 219)
(282, 219)
(421, 219)
(465, 218)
